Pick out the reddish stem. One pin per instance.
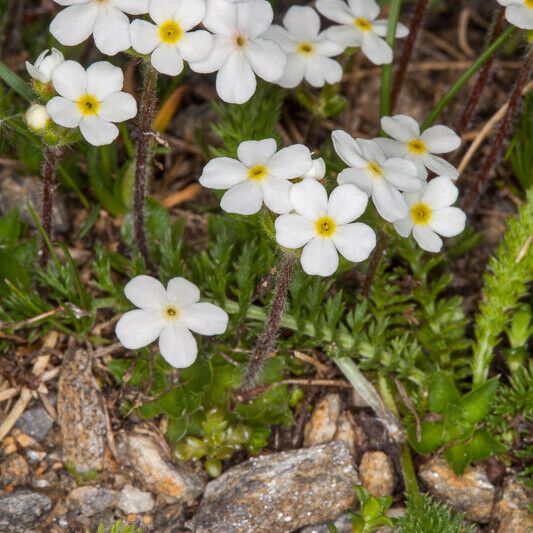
(416, 23)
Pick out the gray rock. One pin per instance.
(377, 473)
(91, 500)
(280, 492)
(14, 470)
(133, 500)
(472, 493)
(512, 510)
(36, 423)
(322, 425)
(22, 509)
(153, 468)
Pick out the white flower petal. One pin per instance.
(236, 81)
(70, 80)
(326, 47)
(404, 226)
(335, 10)
(139, 328)
(64, 112)
(276, 195)
(290, 162)
(195, 45)
(162, 10)
(118, 107)
(145, 292)
(440, 166)
(144, 36)
(189, 13)
(426, 238)
(221, 17)
(294, 71)
(320, 257)
(167, 59)
(223, 173)
(293, 231)
(322, 70)
(98, 132)
(268, 60)
(355, 241)
(448, 222)
(217, 57)
(346, 203)
(401, 127)
(380, 28)
(254, 17)
(181, 292)
(388, 201)
(359, 177)
(376, 49)
(104, 79)
(309, 199)
(439, 193)
(302, 22)
(74, 24)
(111, 31)
(402, 174)
(348, 149)
(367, 9)
(245, 198)
(346, 35)
(177, 345)
(132, 7)
(317, 170)
(440, 140)
(256, 152)
(520, 16)
(282, 37)
(391, 147)
(204, 318)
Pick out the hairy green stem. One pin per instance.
(386, 73)
(467, 74)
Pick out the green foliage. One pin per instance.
(518, 333)
(506, 282)
(425, 514)
(326, 104)
(120, 527)
(372, 513)
(454, 423)
(520, 152)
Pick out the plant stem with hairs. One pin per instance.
(375, 260)
(471, 199)
(477, 91)
(386, 73)
(52, 155)
(267, 339)
(143, 159)
(416, 24)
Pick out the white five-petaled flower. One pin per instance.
(359, 27)
(169, 40)
(519, 12)
(308, 51)
(45, 64)
(407, 142)
(104, 19)
(91, 99)
(240, 50)
(325, 227)
(261, 174)
(169, 315)
(430, 214)
(378, 176)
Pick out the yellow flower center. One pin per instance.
(363, 24)
(240, 41)
(171, 312)
(529, 3)
(305, 48)
(170, 32)
(88, 105)
(416, 146)
(420, 213)
(325, 226)
(258, 172)
(375, 169)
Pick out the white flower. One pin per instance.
(169, 41)
(359, 27)
(240, 51)
(407, 142)
(380, 177)
(317, 170)
(91, 99)
(169, 315)
(260, 175)
(104, 19)
(324, 227)
(519, 12)
(45, 65)
(308, 51)
(36, 117)
(430, 214)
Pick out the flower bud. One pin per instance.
(37, 117)
(45, 65)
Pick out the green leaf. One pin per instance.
(484, 445)
(441, 392)
(475, 405)
(432, 437)
(458, 457)
(16, 82)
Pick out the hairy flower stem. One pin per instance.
(143, 159)
(52, 155)
(407, 52)
(374, 262)
(267, 340)
(470, 107)
(471, 199)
